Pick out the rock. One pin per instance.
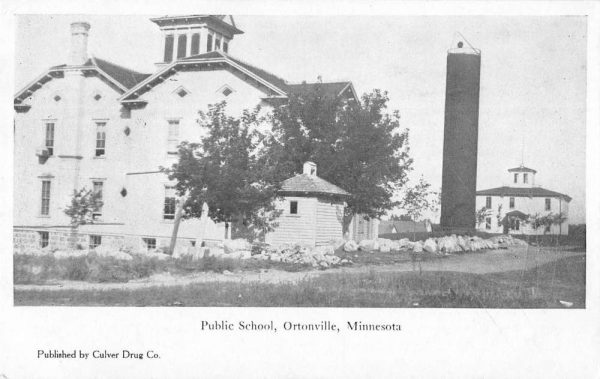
(417, 247)
(336, 243)
(385, 248)
(245, 254)
(368, 245)
(350, 246)
(404, 243)
(430, 246)
(215, 251)
(324, 250)
(107, 253)
(64, 254)
(239, 244)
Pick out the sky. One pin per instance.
(533, 77)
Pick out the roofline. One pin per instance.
(234, 28)
(351, 87)
(93, 59)
(312, 194)
(223, 59)
(560, 195)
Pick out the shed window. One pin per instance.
(181, 45)
(293, 207)
(169, 48)
(488, 202)
(209, 41)
(44, 239)
(95, 241)
(511, 202)
(195, 44)
(548, 204)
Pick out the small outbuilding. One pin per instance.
(312, 210)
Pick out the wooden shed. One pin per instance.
(312, 210)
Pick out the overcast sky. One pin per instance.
(533, 77)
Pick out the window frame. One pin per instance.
(488, 202)
(95, 240)
(49, 146)
(181, 47)
(209, 43)
(169, 203)
(195, 44)
(97, 212)
(44, 238)
(293, 209)
(511, 203)
(516, 179)
(548, 204)
(173, 138)
(46, 197)
(149, 241)
(100, 145)
(525, 178)
(169, 47)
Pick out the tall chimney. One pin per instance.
(79, 42)
(459, 168)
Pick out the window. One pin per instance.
(209, 43)
(170, 203)
(488, 202)
(45, 211)
(181, 45)
(525, 178)
(97, 97)
(49, 141)
(44, 239)
(57, 98)
(150, 243)
(195, 44)
(227, 91)
(511, 202)
(182, 92)
(225, 46)
(100, 139)
(547, 229)
(516, 178)
(293, 207)
(217, 44)
(97, 190)
(95, 241)
(173, 137)
(169, 48)
(488, 223)
(548, 204)
(515, 224)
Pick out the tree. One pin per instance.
(417, 200)
(481, 215)
(81, 210)
(356, 145)
(83, 205)
(223, 171)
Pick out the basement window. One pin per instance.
(44, 239)
(95, 241)
(293, 207)
(150, 243)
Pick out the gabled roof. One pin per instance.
(121, 77)
(310, 185)
(521, 169)
(522, 192)
(278, 87)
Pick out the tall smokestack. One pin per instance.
(459, 169)
(79, 43)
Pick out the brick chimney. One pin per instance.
(79, 43)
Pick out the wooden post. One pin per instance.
(176, 225)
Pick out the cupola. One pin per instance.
(522, 176)
(185, 36)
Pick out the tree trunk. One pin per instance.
(176, 226)
(347, 219)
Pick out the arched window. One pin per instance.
(195, 44)
(181, 45)
(168, 48)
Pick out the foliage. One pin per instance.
(546, 221)
(481, 215)
(223, 171)
(356, 146)
(418, 199)
(83, 204)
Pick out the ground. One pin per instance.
(520, 277)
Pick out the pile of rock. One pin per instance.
(442, 245)
(320, 256)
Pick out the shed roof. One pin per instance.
(310, 185)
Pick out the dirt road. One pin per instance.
(517, 258)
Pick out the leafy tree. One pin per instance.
(223, 171)
(83, 205)
(356, 145)
(481, 215)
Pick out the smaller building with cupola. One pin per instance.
(512, 209)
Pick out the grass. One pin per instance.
(29, 269)
(541, 287)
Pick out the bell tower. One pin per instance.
(185, 36)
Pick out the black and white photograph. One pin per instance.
(301, 174)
